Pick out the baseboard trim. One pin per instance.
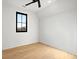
(18, 46)
(57, 48)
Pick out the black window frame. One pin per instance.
(21, 23)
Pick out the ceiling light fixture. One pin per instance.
(34, 1)
(49, 1)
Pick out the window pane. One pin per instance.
(23, 27)
(18, 26)
(23, 18)
(21, 22)
(18, 17)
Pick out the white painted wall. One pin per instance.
(59, 31)
(10, 37)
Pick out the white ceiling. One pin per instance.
(31, 7)
(48, 7)
(57, 7)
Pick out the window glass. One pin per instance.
(18, 17)
(21, 24)
(18, 25)
(23, 18)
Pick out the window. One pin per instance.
(21, 22)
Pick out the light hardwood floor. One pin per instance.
(36, 51)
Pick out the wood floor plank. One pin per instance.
(36, 51)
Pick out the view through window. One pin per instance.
(21, 22)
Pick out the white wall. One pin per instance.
(10, 37)
(59, 31)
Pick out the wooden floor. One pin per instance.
(36, 51)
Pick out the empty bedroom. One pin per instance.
(39, 29)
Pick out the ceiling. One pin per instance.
(58, 6)
(32, 7)
(48, 6)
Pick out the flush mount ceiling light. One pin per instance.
(34, 1)
(49, 1)
(46, 3)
